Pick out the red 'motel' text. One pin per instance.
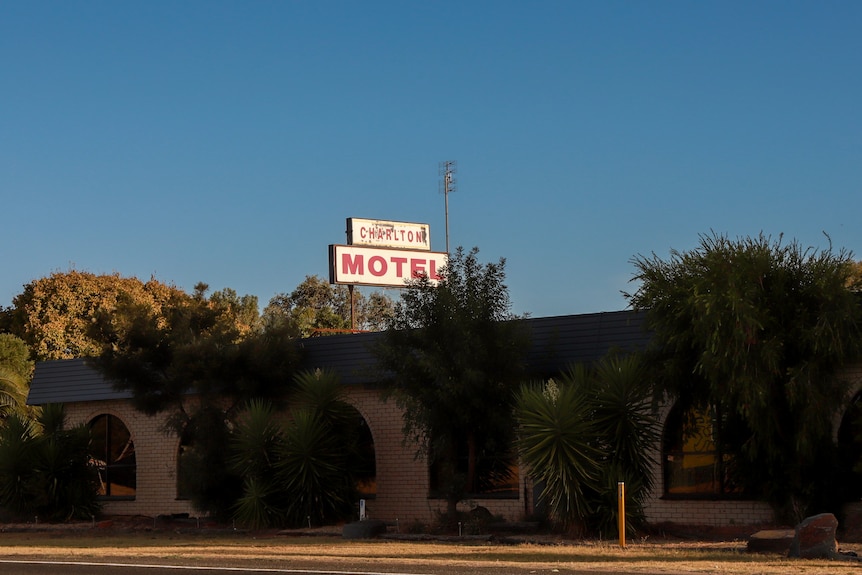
(379, 266)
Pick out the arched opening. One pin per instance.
(186, 458)
(850, 451)
(366, 468)
(203, 472)
(495, 476)
(112, 453)
(694, 465)
(195, 454)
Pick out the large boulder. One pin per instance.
(815, 538)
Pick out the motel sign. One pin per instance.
(384, 253)
(382, 266)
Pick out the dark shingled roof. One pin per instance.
(560, 341)
(68, 380)
(557, 342)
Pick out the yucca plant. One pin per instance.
(253, 455)
(312, 470)
(298, 467)
(254, 439)
(17, 464)
(556, 440)
(627, 428)
(320, 455)
(583, 433)
(258, 506)
(44, 467)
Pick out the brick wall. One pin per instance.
(402, 479)
(155, 454)
(724, 512)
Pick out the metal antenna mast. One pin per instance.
(447, 186)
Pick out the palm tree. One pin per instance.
(13, 393)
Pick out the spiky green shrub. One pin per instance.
(584, 432)
(312, 469)
(556, 442)
(627, 429)
(44, 468)
(297, 467)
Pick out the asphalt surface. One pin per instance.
(29, 567)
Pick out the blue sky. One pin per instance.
(226, 142)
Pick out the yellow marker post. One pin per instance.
(621, 512)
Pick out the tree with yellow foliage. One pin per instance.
(53, 314)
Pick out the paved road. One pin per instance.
(26, 567)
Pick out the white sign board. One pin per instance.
(381, 266)
(384, 233)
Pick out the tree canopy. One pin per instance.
(756, 329)
(16, 369)
(316, 307)
(453, 357)
(194, 345)
(53, 314)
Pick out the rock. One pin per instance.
(815, 538)
(771, 541)
(481, 513)
(366, 529)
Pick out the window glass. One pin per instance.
(694, 466)
(496, 474)
(366, 466)
(112, 453)
(850, 452)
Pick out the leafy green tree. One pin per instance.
(16, 370)
(452, 359)
(316, 306)
(243, 310)
(204, 475)
(193, 347)
(15, 356)
(375, 311)
(755, 329)
(197, 361)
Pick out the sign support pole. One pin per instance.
(352, 309)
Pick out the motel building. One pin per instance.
(142, 477)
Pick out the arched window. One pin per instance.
(112, 452)
(366, 467)
(694, 465)
(496, 474)
(194, 470)
(850, 451)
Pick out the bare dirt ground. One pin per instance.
(157, 541)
